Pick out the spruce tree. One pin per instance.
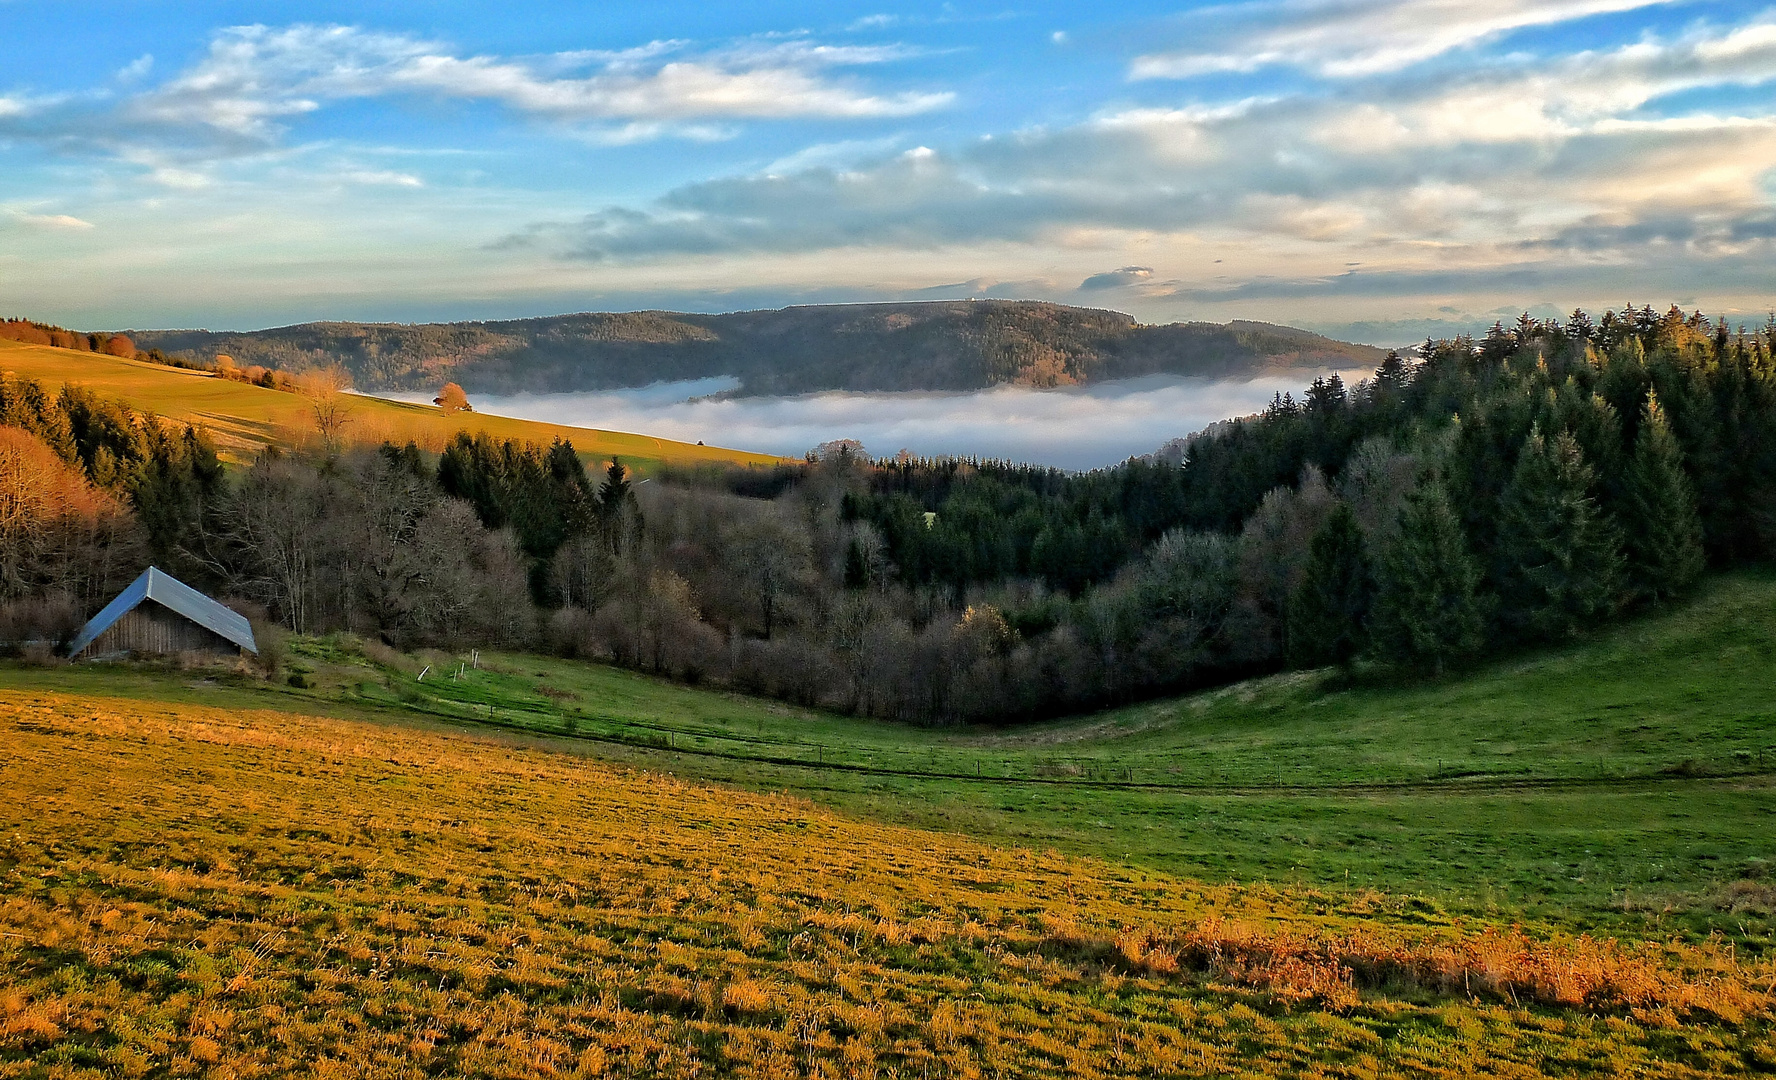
(1561, 553)
(857, 567)
(616, 492)
(1664, 535)
(1427, 608)
(1325, 623)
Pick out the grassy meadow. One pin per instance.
(1625, 783)
(242, 417)
(195, 890)
(1554, 864)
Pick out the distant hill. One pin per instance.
(947, 345)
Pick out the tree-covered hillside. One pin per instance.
(960, 345)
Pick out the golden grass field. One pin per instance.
(242, 417)
(189, 891)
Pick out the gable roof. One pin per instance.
(174, 595)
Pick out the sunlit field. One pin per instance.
(1621, 784)
(242, 417)
(199, 891)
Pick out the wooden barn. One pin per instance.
(159, 615)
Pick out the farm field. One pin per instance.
(242, 418)
(1623, 784)
(192, 890)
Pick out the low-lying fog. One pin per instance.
(1075, 428)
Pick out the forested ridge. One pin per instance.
(946, 345)
(1495, 492)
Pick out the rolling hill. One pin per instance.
(949, 345)
(1619, 782)
(243, 417)
(1556, 864)
(194, 891)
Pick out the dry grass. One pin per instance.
(193, 892)
(242, 417)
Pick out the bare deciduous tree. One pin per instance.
(326, 389)
(276, 520)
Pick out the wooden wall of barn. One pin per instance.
(151, 628)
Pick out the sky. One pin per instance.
(1382, 170)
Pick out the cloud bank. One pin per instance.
(1070, 429)
(1508, 171)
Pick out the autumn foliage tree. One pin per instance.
(452, 399)
(59, 535)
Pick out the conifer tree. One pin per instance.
(1327, 611)
(1664, 536)
(857, 567)
(618, 513)
(615, 493)
(1393, 376)
(1427, 604)
(1562, 555)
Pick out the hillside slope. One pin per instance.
(1626, 782)
(243, 417)
(950, 345)
(191, 891)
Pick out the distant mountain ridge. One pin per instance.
(938, 345)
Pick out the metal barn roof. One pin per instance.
(174, 595)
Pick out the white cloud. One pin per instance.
(1345, 38)
(1118, 278)
(681, 90)
(1561, 99)
(382, 178)
(254, 77)
(831, 155)
(50, 221)
(163, 169)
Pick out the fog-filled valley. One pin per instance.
(1070, 428)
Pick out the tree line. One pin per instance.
(36, 333)
(1486, 493)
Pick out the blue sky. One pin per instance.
(1380, 169)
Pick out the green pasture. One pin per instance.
(1626, 782)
